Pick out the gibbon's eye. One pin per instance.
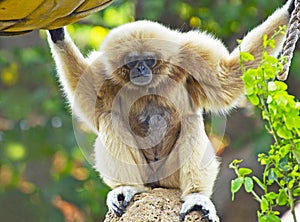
(132, 61)
(132, 64)
(150, 62)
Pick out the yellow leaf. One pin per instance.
(195, 22)
(10, 75)
(97, 35)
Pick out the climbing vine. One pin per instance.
(281, 111)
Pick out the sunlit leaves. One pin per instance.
(259, 183)
(236, 184)
(115, 16)
(10, 75)
(246, 56)
(264, 204)
(244, 171)
(282, 198)
(248, 183)
(272, 86)
(195, 22)
(282, 113)
(268, 218)
(97, 35)
(15, 151)
(242, 179)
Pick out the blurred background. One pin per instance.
(43, 173)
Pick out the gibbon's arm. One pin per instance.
(69, 61)
(75, 76)
(218, 84)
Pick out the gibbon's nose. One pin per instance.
(142, 68)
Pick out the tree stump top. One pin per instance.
(158, 205)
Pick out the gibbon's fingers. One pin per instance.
(199, 202)
(57, 34)
(118, 199)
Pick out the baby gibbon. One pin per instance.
(143, 94)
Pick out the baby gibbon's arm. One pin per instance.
(219, 76)
(75, 76)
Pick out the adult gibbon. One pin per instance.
(143, 93)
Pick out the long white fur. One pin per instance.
(202, 55)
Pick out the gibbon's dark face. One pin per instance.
(140, 67)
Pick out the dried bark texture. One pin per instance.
(161, 205)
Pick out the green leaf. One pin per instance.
(296, 192)
(269, 73)
(234, 164)
(236, 185)
(265, 41)
(272, 86)
(259, 183)
(248, 184)
(291, 183)
(244, 171)
(271, 43)
(284, 133)
(283, 164)
(292, 121)
(282, 198)
(272, 175)
(281, 85)
(254, 99)
(270, 99)
(270, 60)
(271, 196)
(239, 41)
(246, 56)
(249, 91)
(284, 150)
(264, 204)
(269, 218)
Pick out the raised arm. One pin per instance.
(75, 76)
(217, 83)
(69, 61)
(253, 41)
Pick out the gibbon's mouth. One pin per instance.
(141, 80)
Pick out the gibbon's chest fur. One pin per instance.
(157, 123)
(152, 118)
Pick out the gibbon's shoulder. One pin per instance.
(204, 43)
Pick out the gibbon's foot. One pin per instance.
(57, 34)
(198, 202)
(118, 199)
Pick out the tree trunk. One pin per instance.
(157, 205)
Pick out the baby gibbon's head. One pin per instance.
(141, 52)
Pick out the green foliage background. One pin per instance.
(39, 157)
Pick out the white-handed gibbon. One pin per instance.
(143, 94)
